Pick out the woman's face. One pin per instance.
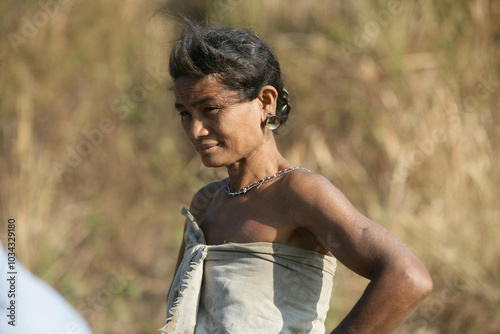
(222, 129)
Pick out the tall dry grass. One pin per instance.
(399, 110)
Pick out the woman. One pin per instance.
(260, 246)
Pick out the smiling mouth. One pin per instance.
(202, 149)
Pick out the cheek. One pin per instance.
(247, 132)
(241, 127)
(185, 127)
(253, 127)
(249, 120)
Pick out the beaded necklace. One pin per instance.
(261, 182)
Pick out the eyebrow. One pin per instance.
(195, 103)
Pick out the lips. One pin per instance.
(205, 148)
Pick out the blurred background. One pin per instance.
(395, 102)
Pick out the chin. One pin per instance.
(212, 163)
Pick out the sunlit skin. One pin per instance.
(299, 209)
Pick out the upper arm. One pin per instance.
(360, 244)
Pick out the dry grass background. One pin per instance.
(399, 109)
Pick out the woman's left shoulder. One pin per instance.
(306, 184)
(307, 192)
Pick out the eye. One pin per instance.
(210, 109)
(184, 113)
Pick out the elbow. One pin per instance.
(419, 281)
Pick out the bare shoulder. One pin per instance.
(203, 197)
(304, 177)
(313, 189)
(316, 202)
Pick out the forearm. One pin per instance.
(386, 303)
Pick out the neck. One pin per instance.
(259, 164)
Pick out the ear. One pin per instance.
(267, 97)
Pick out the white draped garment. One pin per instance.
(257, 287)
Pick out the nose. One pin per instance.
(197, 129)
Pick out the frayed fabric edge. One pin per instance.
(186, 294)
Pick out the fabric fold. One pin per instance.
(182, 303)
(257, 287)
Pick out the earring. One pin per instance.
(272, 122)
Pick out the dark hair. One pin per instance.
(242, 62)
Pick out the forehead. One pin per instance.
(186, 88)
